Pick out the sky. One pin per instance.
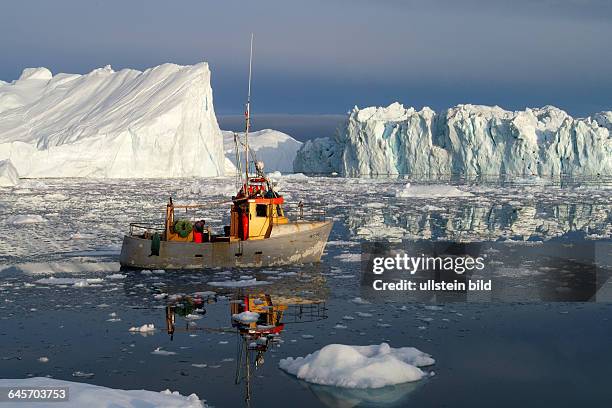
(326, 56)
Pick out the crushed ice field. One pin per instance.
(69, 312)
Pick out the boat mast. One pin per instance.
(248, 121)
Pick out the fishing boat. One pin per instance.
(260, 234)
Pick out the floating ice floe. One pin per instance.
(113, 317)
(81, 374)
(295, 176)
(94, 396)
(158, 351)
(35, 268)
(347, 366)
(25, 219)
(348, 257)
(116, 276)
(246, 317)
(81, 235)
(430, 191)
(76, 282)
(360, 301)
(145, 328)
(239, 283)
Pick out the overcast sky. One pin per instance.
(324, 56)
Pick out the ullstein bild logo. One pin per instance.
(427, 271)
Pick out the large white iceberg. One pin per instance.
(466, 140)
(8, 174)
(94, 396)
(155, 123)
(276, 149)
(359, 366)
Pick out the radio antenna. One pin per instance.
(247, 114)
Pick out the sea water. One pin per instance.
(487, 353)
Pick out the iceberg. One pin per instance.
(276, 149)
(467, 140)
(8, 174)
(359, 367)
(156, 123)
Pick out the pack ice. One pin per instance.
(276, 149)
(155, 123)
(467, 140)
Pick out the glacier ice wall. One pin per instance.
(155, 123)
(465, 140)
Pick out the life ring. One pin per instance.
(183, 228)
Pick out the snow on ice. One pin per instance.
(346, 366)
(466, 139)
(94, 396)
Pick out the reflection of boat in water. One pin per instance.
(259, 234)
(268, 317)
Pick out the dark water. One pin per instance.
(556, 354)
(300, 127)
(487, 353)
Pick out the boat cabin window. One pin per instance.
(261, 210)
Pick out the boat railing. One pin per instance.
(141, 228)
(306, 211)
